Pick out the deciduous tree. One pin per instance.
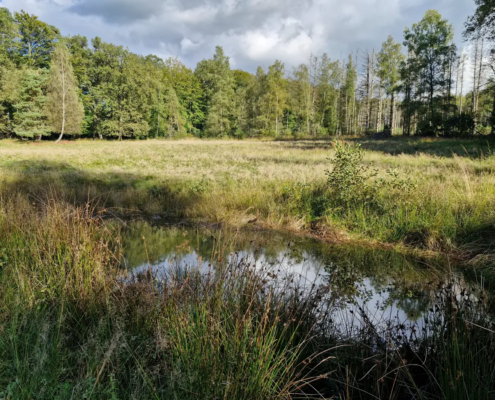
(64, 108)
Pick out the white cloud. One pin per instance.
(252, 32)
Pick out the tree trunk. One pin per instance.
(379, 116)
(474, 100)
(324, 107)
(157, 123)
(493, 113)
(276, 119)
(392, 113)
(120, 127)
(64, 92)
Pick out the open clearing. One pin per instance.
(274, 182)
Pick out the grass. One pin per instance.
(73, 326)
(280, 184)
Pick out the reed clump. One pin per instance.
(73, 325)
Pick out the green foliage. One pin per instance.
(350, 180)
(4, 259)
(37, 40)
(354, 184)
(310, 202)
(129, 96)
(218, 82)
(460, 125)
(30, 119)
(63, 106)
(482, 22)
(390, 60)
(428, 73)
(120, 92)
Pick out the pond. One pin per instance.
(368, 287)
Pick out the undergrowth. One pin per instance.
(73, 324)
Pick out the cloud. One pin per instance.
(252, 32)
(118, 11)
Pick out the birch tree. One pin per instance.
(64, 108)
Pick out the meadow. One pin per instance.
(279, 184)
(73, 326)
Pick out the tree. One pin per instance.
(37, 40)
(30, 120)
(482, 23)
(9, 32)
(301, 97)
(430, 47)
(9, 83)
(348, 97)
(64, 108)
(188, 94)
(390, 60)
(243, 82)
(218, 85)
(275, 96)
(9, 75)
(120, 92)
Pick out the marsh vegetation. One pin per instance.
(133, 270)
(344, 249)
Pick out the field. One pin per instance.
(281, 184)
(73, 327)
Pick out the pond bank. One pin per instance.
(375, 323)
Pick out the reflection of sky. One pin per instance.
(371, 307)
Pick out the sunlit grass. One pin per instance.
(239, 181)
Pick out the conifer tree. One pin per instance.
(37, 40)
(64, 108)
(390, 61)
(218, 84)
(30, 119)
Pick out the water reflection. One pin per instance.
(381, 307)
(380, 284)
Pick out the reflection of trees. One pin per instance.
(409, 284)
(414, 305)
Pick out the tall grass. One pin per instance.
(280, 185)
(72, 326)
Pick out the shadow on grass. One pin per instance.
(125, 192)
(470, 148)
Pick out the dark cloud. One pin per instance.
(117, 11)
(252, 32)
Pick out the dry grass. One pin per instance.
(237, 181)
(69, 327)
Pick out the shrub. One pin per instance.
(352, 183)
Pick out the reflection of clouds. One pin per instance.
(369, 305)
(356, 297)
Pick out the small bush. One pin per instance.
(353, 184)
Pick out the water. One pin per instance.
(368, 286)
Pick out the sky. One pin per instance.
(252, 32)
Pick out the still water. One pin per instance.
(368, 286)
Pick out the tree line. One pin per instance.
(51, 86)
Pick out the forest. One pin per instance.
(53, 85)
